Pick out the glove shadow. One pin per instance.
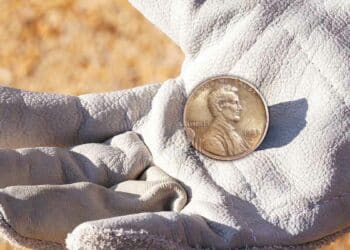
(287, 120)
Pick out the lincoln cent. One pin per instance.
(226, 118)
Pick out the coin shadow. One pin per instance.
(287, 120)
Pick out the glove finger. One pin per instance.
(156, 188)
(108, 114)
(49, 212)
(162, 230)
(31, 119)
(121, 158)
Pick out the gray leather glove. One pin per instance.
(293, 192)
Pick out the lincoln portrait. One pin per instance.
(221, 137)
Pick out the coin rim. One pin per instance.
(234, 157)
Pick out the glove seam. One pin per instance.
(276, 23)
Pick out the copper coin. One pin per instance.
(226, 118)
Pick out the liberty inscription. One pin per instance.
(226, 118)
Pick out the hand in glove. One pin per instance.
(292, 191)
(48, 191)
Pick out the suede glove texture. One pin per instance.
(125, 183)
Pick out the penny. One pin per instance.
(226, 118)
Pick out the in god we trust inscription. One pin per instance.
(226, 118)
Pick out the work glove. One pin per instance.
(292, 192)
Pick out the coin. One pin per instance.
(226, 118)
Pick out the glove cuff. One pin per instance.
(93, 238)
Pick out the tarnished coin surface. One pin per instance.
(226, 118)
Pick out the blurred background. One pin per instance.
(78, 46)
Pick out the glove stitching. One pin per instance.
(258, 3)
(298, 44)
(272, 22)
(327, 81)
(284, 62)
(276, 20)
(335, 19)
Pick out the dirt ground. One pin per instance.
(78, 46)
